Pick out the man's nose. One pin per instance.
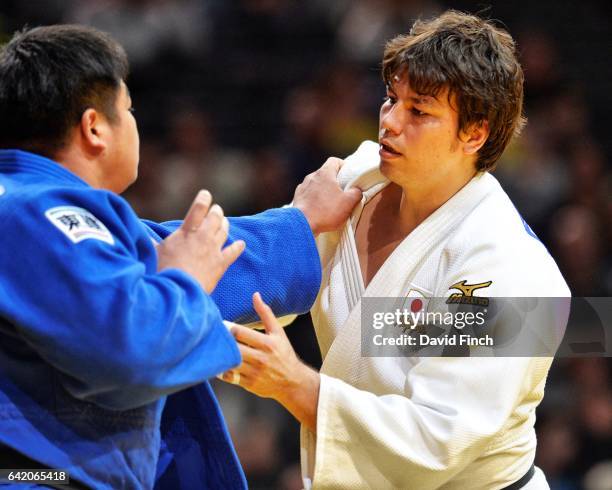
(391, 120)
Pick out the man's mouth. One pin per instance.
(387, 149)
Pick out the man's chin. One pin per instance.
(386, 168)
(392, 170)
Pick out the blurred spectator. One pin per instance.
(148, 28)
(595, 411)
(557, 450)
(304, 117)
(271, 186)
(599, 477)
(291, 478)
(576, 243)
(194, 161)
(257, 448)
(534, 175)
(346, 123)
(366, 25)
(146, 195)
(540, 60)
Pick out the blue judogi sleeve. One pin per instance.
(280, 261)
(93, 305)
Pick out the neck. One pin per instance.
(79, 164)
(418, 202)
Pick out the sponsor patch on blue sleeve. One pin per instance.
(78, 224)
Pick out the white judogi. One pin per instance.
(422, 423)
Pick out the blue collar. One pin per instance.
(24, 161)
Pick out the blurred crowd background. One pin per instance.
(245, 97)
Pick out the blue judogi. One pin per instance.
(93, 338)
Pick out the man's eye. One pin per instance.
(416, 112)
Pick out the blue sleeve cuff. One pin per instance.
(281, 261)
(312, 261)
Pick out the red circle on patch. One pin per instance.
(416, 305)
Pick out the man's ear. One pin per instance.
(94, 129)
(474, 137)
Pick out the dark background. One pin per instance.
(245, 97)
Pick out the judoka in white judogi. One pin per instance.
(423, 423)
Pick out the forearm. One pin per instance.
(280, 260)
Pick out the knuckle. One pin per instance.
(220, 239)
(223, 232)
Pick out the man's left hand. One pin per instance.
(271, 369)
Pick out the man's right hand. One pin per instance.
(197, 246)
(323, 202)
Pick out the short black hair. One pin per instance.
(49, 76)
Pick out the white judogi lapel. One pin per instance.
(343, 350)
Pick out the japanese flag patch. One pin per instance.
(78, 224)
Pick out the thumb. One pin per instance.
(353, 196)
(266, 314)
(232, 252)
(333, 164)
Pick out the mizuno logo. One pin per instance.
(466, 296)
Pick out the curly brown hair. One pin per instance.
(478, 64)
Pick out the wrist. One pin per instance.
(301, 395)
(314, 228)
